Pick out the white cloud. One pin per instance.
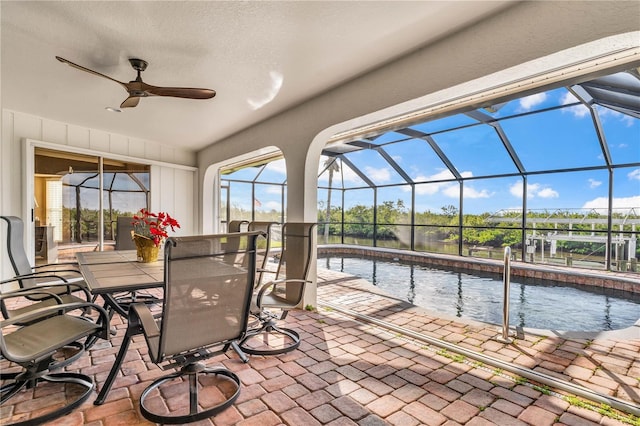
(350, 176)
(273, 189)
(594, 183)
(452, 190)
(278, 166)
(378, 175)
(618, 203)
(474, 193)
(529, 102)
(516, 189)
(605, 113)
(533, 190)
(425, 189)
(448, 189)
(634, 175)
(432, 188)
(548, 193)
(272, 205)
(441, 175)
(578, 111)
(345, 173)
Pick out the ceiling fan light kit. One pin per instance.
(139, 89)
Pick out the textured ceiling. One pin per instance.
(261, 57)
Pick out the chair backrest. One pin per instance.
(263, 247)
(237, 225)
(299, 238)
(206, 300)
(123, 234)
(15, 245)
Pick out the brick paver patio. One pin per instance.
(350, 370)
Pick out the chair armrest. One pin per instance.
(272, 284)
(69, 274)
(69, 267)
(50, 269)
(58, 281)
(71, 288)
(38, 275)
(41, 313)
(139, 313)
(28, 292)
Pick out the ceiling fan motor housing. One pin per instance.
(138, 64)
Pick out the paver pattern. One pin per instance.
(350, 372)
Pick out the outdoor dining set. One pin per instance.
(205, 295)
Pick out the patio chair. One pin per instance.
(275, 299)
(37, 340)
(63, 292)
(18, 254)
(70, 286)
(20, 260)
(263, 249)
(237, 225)
(123, 233)
(205, 312)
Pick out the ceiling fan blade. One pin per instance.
(65, 61)
(130, 102)
(180, 92)
(139, 89)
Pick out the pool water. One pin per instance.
(532, 303)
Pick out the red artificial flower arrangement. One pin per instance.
(153, 225)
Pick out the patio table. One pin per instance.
(110, 272)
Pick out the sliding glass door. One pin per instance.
(68, 188)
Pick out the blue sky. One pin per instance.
(556, 139)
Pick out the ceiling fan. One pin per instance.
(139, 89)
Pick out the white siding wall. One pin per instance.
(173, 176)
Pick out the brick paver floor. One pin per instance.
(351, 368)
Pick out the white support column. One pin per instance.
(302, 203)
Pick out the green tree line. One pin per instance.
(443, 226)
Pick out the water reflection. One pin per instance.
(460, 301)
(535, 303)
(411, 294)
(523, 302)
(607, 313)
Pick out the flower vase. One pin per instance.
(147, 250)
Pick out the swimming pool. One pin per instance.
(478, 296)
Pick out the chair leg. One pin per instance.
(268, 327)
(12, 387)
(236, 347)
(72, 378)
(193, 370)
